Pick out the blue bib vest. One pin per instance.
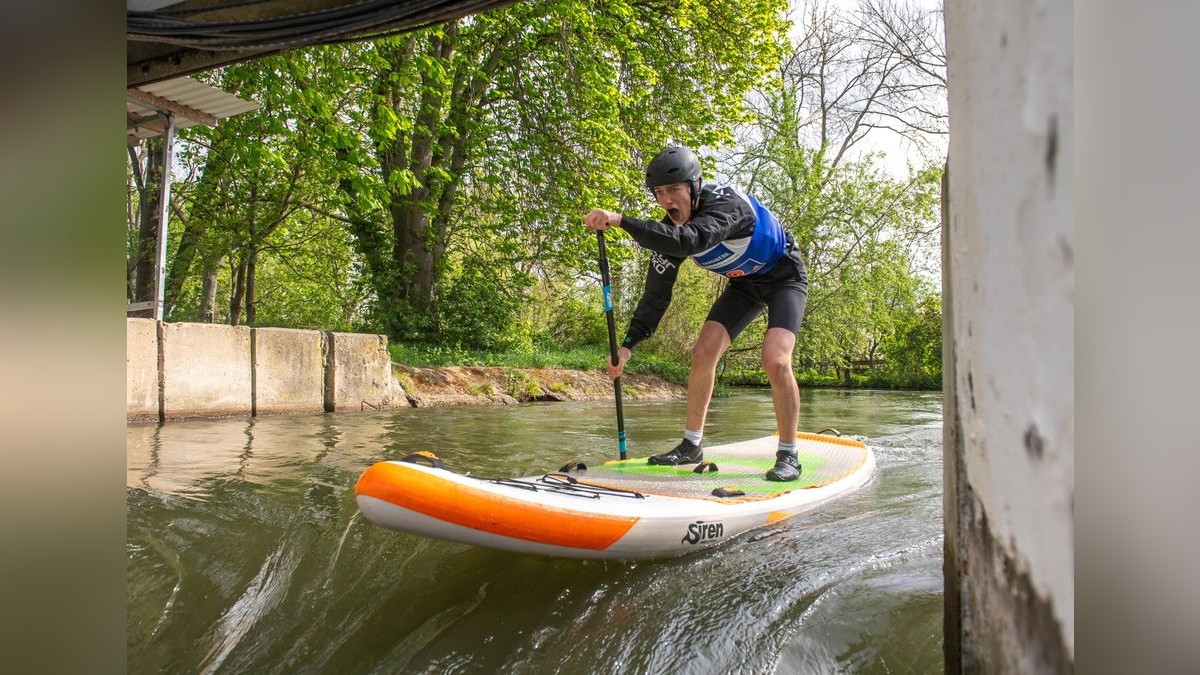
(748, 256)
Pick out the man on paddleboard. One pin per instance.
(727, 232)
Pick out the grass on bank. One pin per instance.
(586, 357)
(872, 379)
(592, 357)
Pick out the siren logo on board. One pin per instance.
(701, 531)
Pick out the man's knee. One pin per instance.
(706, 352)
(777, 354)
(777, 366)
(711, 344)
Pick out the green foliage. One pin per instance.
(424, 355)
(480, 309)
(869, 239)
(586, 357)
(915, 350)
(431, 186)
(865, 237)
(520, 386)
(245, 211)
(500, 131)
(565, 315)
(482, 389)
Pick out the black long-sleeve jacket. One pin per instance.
(723, 215)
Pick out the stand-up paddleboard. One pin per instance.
(621, 509)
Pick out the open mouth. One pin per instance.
(674, 213)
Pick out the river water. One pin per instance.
(245, 553)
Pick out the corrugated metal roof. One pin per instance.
(193, 94)
(197, 35)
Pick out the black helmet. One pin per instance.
(675, 164)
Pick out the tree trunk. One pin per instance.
(239, 292)
(148, 223)
(212, 203)
(181, 263)
(405, 276)
(136, 187)
(413, 253)
(208, 292)
(251, 303)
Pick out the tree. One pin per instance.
(145, 173)
(506, 126)
(864, 234)
(915, 350)
(263, 183)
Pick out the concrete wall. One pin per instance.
(288, 367)
(179, 370)
(205, 370)
(1008, 261)
(141, 370)
(359, 374)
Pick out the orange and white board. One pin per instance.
(622, 510)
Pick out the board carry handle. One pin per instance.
(612, 340)
(573, 465)
(724, 492)
(424, 457)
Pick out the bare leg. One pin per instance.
(707, 351)
(777, 362)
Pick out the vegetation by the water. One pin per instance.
(431, 185)
(583, 357)
(592, 357)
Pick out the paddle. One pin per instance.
(612, 340)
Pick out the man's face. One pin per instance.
(676, 200)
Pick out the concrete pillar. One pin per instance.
(1008, 260)
(206, 370)
(289, 371)
(141, 370)
(359, 374)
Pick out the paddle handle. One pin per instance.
(612, 339)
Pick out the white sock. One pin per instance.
(787, 447)
(695, 436)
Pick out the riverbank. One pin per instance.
(192, 370)
(497, 385)
(188, 370)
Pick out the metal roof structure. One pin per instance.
(167, 38)
(159, 109)
(190, 101)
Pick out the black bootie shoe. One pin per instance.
(686, 452)
(787, 467)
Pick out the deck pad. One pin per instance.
(740, 466)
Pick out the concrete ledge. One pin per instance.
(288, 371)
(182, 370)
(359, 374)
(141, 370)
(206, 370)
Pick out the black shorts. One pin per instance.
(783, 292)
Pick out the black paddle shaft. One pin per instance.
(612, 340)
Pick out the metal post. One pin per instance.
(164, 204)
